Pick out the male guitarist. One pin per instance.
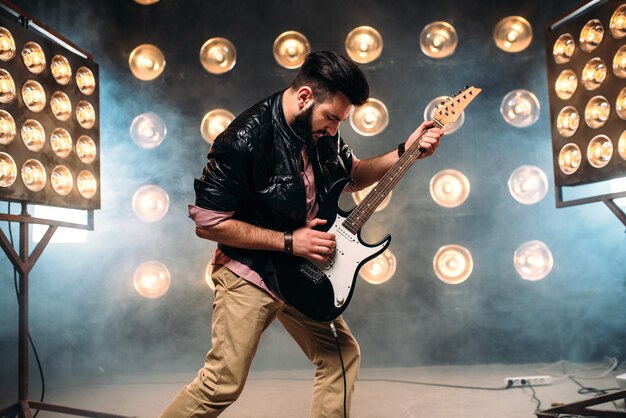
(259, 193)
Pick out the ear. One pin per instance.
(304, 96)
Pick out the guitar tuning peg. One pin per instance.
(453, 112)
(470, 92)
(442, 103)
(464, 97)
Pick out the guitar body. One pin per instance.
(322, 291)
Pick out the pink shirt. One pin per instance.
(205, 218)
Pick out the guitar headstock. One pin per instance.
(449, 110)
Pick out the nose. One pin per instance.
(333, 128)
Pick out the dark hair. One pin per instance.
(327, 73)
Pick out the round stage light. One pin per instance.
(617, 24)
(620, 104)
(438, 40)
(208, 272)
(379, 269)
(7, 45)
(62, 180)
(61, 70)
(61, 106)
(85, 80)
(567, 121)
(429, 114)
(621, 145)
(528, 184)
(33, 57)
(61, 142)
(150, 203)
(7, 87)
(33, 175)
(453, 264)
(599, 151)
(597, 112)
(34, 96)
(513, 34)
(214, 123)
(86, 184)
(564, 48)
(364, 44)
(148, 130)
(290, 49)
(449, 188)
(33, 135)
(520, 108)
(619, 62)
(533, 260)
(594, 74)
(146, 2)
(218, 55)
(86, 149)
(591, 35)
(7, 127)
(8, 170)
(570, 158)
(369, 119)
(151, 279)
(361, 194)
(146, 62)
(566, 84)
(85, 114)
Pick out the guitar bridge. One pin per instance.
(311, 272)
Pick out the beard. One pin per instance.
(303, 124)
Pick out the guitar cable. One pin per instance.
(343, 370)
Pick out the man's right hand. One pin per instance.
(312, 244)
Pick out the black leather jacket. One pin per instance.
(253, 170)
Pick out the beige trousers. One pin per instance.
(241, 312)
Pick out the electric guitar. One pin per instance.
(322, 291)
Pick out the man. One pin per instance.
(265, 176)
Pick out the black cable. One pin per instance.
(30, 339)
(534, 397)
(412, 382)
(343, 370)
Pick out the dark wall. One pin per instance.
(88, 319)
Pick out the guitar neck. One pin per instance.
(360, 215)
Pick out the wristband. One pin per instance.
(401, 149)
(289, 242)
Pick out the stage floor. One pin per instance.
(287, 393)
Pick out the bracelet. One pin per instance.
(401, 149)
(289, 242)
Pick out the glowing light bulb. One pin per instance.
(8, 170)
(564, 48)
(7, 87)
(86, 184)
(597, 112)
(61, 106)
(364, 44)
(150, 203)
(369, 119)
(214, 123)
(513, 34)
(86, 149)
(34, 96)
(7, 45)
(146, 62)
(61, 142)
(33, 57)
(567, 121)
(85, 114)
(61, 70)
(591, 35)
(85, 80)
(148, 130)
(528, 184)
(7, 127)
(33, 135)
(599, 151)
(218, 55)
(570, 158)
(520, 108)
(380, 269)
(533, 260)
(33, 175)
(453, 264)
(62, 180)
(438, 40)
(151, 279)
(290, 49)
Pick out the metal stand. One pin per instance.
(580, 408)
(24, 262)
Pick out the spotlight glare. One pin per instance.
(85, 114)
(570, 158)
(619, 62)
(146, 62)
(7, 87)
(7, 45)
(33, 175)
(453, 264)
(566, 84)
(591, 35)
(620, 104)
(8, 170)
(62, 180)
(85, 80)
(61, 142)
(218, 55)
(151, 279)
(150, 203)
(618, 22)
(621, 145)
(61, 106)
(533, 260)
(564, 48)
(364, 44)
(33, 57)
(597, 112)
(34, 96)
(449, 188)
(438, 40)
(369, 119)
(7, 127)
(33, 135)
(214, 123)
(567, 121)
(86, 149)
(513, 34)
(290, 49)
(599, 151)
(61, 70)
(148, 130)
(594, 74)
(380, 269)
(86, 184)
(520, 108)
(528, 184)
